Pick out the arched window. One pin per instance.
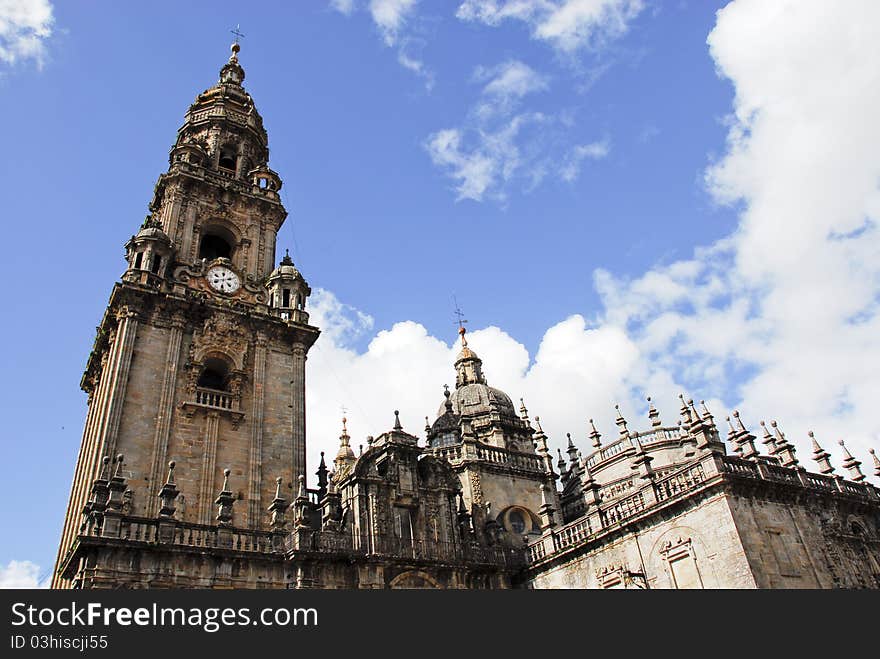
(214, 375)
(214, 246)
(227, 158)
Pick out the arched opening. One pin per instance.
(216, 244)
(227, 158)
(214, 375)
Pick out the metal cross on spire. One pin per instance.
(461, 319)
(237, 33)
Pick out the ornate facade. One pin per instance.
(192, 467)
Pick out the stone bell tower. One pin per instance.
(200, 356)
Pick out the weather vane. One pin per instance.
(237, 33)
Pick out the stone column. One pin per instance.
(165, 411)
(209, 459)
(298, 410)
(255, 479)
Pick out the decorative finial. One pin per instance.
(226, 473)
(653, 414)
(397, 425)
(524, 413)
(621, 423)
(427, 425)
(595, 435)
(820, 456)
(278, 486)
(851, 464)
(170, 478)
(876, 461)
(118, 471)
(286, 260)
(538, 423)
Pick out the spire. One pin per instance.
(523, 412)
(707, 415)
(767, 440)
(784, 449)
(232, 73)
(397, 425)
(876, 462)
(468, 367)
(820, 456)
(745, 440)
(322, 477)
(168, 494)
(560, 464)
(685, 412)
(571, 450)
(621, 423)
(653, 414)
(851, 464)
(224, 502)
(595, 436)
(278, 508)
(345, 456)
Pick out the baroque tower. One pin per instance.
(200, 356)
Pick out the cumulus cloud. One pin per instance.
(21, 574)
(568, 25)
(779, 319)
(578, 371)
(789, 302)
(25, 25)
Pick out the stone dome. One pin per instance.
(475, 399)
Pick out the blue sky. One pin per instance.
(623, 203)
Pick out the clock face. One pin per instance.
(223, 279)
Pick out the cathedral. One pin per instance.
(192, 468)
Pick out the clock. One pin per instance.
(223, 279)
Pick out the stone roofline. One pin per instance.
(710, 471)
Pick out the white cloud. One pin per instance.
(571, 166)
(346, 7)
(779, 319)
(21, 574)
(500, 144)
(390, 16)
(568, 25)
(25, 25)
(579, 370)
(791, 298)
(394, 20)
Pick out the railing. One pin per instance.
(572, 534)
(679, 482)
(645, 438)
(623, 509)
(502, 456)
(492, 454)
(141, 529)
(615, 489)
(684, 479)
(449, 453)
(422, 550)
(214, 398)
